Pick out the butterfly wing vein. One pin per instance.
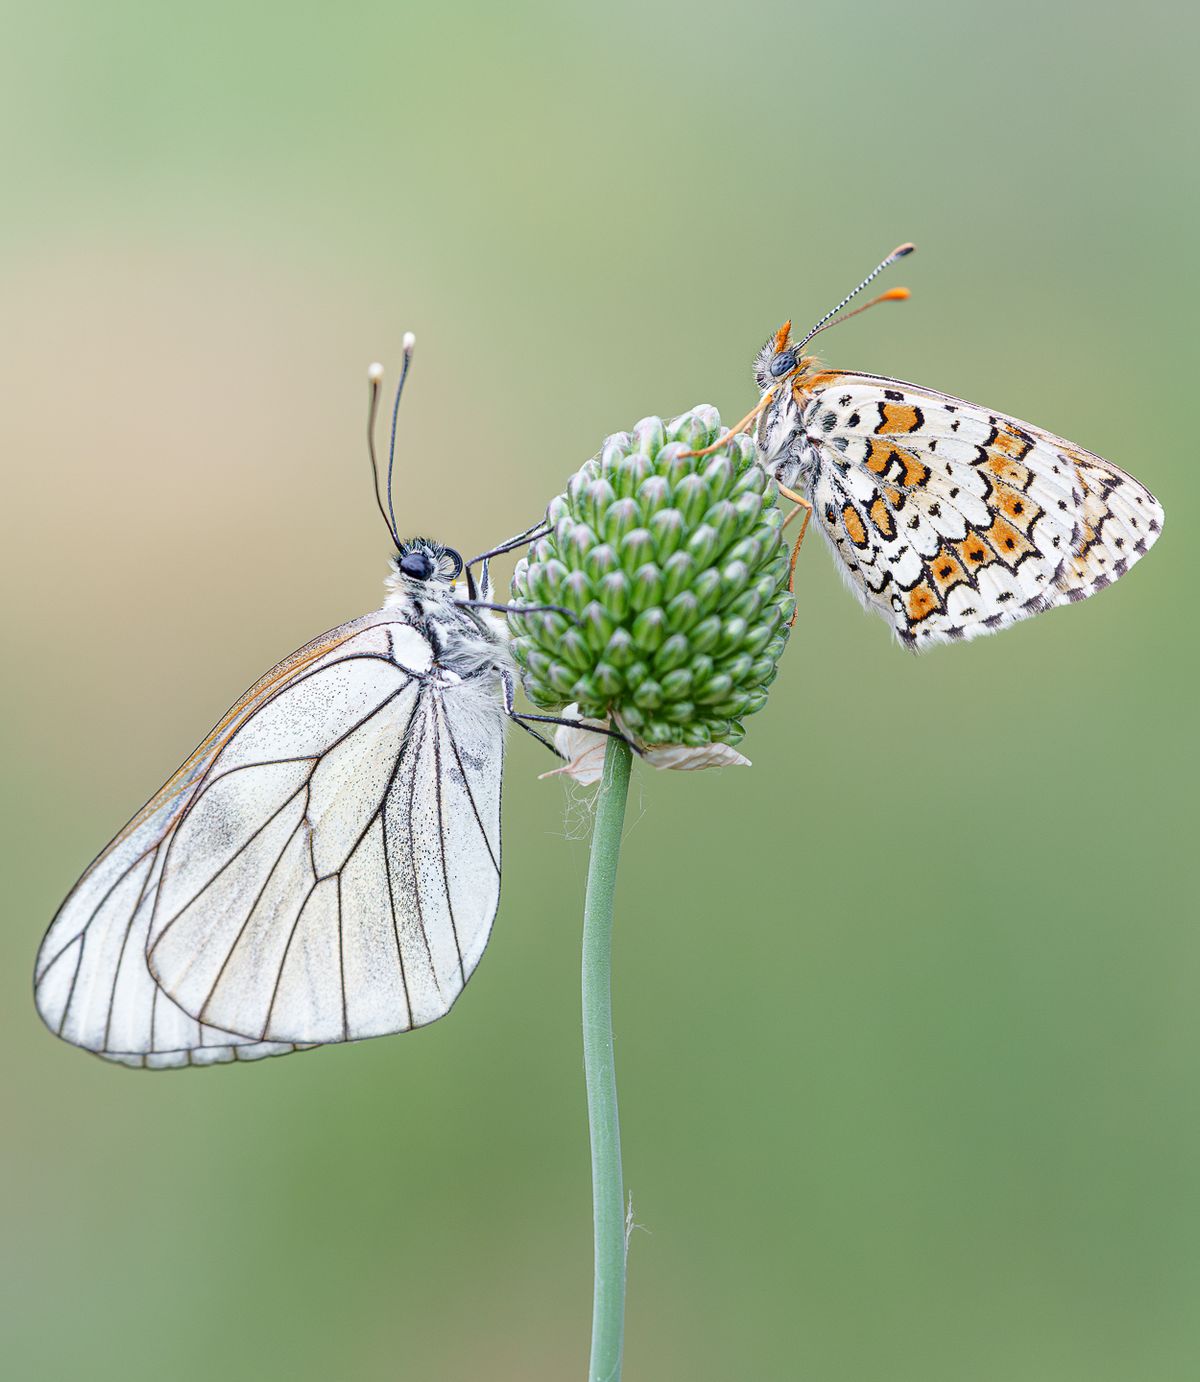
(328, 870)
(953, 521)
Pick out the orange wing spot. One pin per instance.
(879, 456)
(974, 552)
(854, 526)
(894, 497)
(947, 572)
(1009, 445)
(1019, 509)
(914, 472)
(881, 516)
(1010, 543)
(898, 417)
(1008, 471)
(882, 458)
(921, 602)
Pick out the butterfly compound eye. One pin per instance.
(783, 363)
(418, 565)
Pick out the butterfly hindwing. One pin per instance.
(953, 521)
(91, 982)
(343, 884)
(289, 781)
(1120, 521)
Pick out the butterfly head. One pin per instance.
(425, 563)
(777, 359)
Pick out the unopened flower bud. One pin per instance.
(675, 569)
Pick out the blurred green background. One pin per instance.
(907, 1020)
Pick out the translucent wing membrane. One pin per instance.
(324, 867)
(953, 521)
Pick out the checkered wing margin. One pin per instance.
(953, 521)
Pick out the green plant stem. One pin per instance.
(608, 1190)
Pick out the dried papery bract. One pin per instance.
(582, 748)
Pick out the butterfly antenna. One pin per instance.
(898, 253)
(409, 341)
(374, 380)
(892, 295)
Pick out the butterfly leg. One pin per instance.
(739, 427)
(530, 535)
(519, 609)
(802, 506)
(578, 724)
(509, 544)
(508, 681)
(541, 738)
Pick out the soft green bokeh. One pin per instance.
(907, 1013)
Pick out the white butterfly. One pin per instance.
(326, 865)
(949, 519)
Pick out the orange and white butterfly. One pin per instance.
(948, 519)
(326, 865)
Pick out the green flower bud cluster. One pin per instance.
(675, 570)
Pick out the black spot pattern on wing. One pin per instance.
(953, 521)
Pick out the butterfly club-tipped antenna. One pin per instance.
(409, 341)
(892, 295)
(374, 383)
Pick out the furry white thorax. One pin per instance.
(783, 446)
(469, 641)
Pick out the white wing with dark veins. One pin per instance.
(324, 867)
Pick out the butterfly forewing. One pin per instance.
(950, 520)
